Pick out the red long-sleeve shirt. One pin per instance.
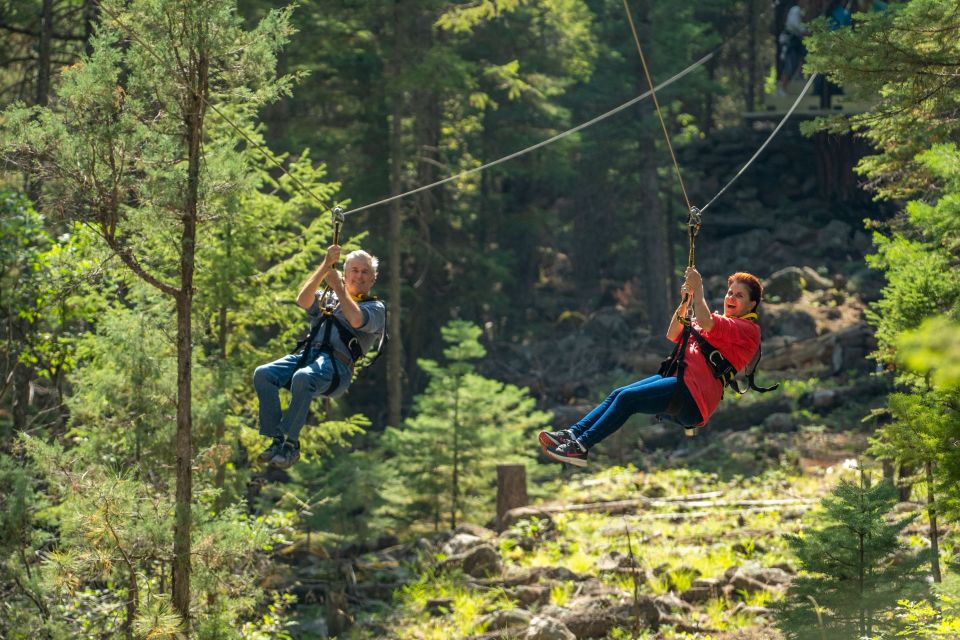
(737, 339)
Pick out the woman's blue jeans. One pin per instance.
(304, 383)
(651, 395)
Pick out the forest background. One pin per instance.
(151, 251)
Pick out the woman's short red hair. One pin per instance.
(752, 283)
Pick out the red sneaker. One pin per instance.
(553, 438)
(571, 452)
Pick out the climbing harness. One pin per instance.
(675, 364)
(328, 303)
(721, 367)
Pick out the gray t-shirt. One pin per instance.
(374, 319)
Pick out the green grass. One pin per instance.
(700, 544)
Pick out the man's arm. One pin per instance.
(351, 310)
(309, 289)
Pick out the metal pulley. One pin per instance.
(328, 299)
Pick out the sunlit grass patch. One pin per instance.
(560, 594)
(659, 585)
(461, 618)
(760, 598)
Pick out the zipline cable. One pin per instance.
(656, 103)
(543, 143)
(765, 143)
(652, 92)
(564, 134)
(112, 15)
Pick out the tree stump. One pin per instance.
(511, 489)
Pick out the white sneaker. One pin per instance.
(781, 92)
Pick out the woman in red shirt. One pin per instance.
(735, 334)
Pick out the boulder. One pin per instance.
(778, 320)
(824, 399)
(835, 239)
(530, 595)
(513, 516)
(785, 285)
(699, 595)
(669, 602)
(815, 281)
(476, 530)
(780, 422)
(703, 589)
(597, 622)
(544, 628)
(503, 619)
(613, 561)
(744, 416)
(743, 583)
(753, 578)
(460, 543)
(561, 573)
(790, 232)
(481, 561)
(770, 575)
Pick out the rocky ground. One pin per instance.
(663, 555)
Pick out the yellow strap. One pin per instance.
(749, 316)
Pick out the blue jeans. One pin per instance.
(304, 383)
(651, 395)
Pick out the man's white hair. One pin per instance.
(360, 254)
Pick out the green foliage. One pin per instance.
(933, 350)
(38, 296)
(856, 567)
(111, 155)
(443, 459)
(935, 619)
(895, 60)
(115, 531)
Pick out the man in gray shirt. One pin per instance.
(341, 333)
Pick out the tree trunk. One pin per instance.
(655, 263)
(44, 49)
(184, 445)
(21, 376)
(750, 98)
(904, 484)
(511, 490)
(934, 534)
(455, 481)
(221, 429)
(394, 275)
(91, 11)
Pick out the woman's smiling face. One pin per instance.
(737, 302)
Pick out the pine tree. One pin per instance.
(895, 59)
(444, 458)
(857, 567)
(123, 150)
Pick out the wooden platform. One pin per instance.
(775, 107)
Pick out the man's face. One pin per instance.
(358, 276)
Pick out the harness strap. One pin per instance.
(328, 322)
(722, 368)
